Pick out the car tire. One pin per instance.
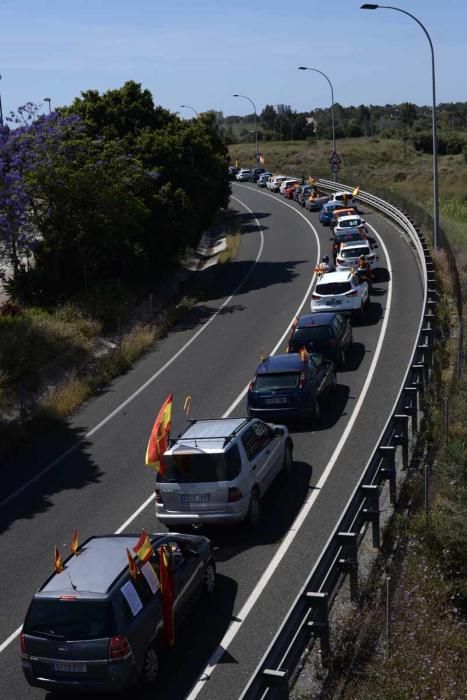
(150, 670)
(210, 578)
(254, 511)
(288, 461)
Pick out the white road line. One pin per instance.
(144, 386)
(144, 505)
(240, 617)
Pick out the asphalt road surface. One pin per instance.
(93, 476)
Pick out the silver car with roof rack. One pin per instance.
(217, 471)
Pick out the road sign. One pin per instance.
(335, 159)
(335, 167)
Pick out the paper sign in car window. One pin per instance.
(132, 597)
(150, 576)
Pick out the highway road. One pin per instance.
(93, 475)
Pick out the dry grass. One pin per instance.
(233, 244)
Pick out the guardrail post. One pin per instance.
(412, 408)
(348, 562)
(429, 335)
(371, 512)
(388, 472)
(425, 351)
(319, 625)
(419, 371)
(279, 680)
(402, 436)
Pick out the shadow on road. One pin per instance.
(373, 313)
(354, 358)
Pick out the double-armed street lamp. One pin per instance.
(371, 6)
(332, 106)
(48, 99)
(245, 97)
(192, 109)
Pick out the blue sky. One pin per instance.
(200, 52)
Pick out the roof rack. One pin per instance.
(226, 438)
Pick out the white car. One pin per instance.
(351, 223)
(275, 183)
(346, 199)
(349, 253)
(287, 183)
(341, 291)
(243, 175)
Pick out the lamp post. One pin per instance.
(332, 106)
(371, 6)
(192, 109)
(256, 127)
(47, 99)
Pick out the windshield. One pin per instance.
(70, 619)
(282, 380)
(354, 252)
(349, 223)
(304, 336)
(199, 467)
(331, 288)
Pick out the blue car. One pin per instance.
(325, 214)
(291, 386)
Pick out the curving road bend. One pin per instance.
(101, 485)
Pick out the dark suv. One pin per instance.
(92, 627)
(255, 173)
(329, 334)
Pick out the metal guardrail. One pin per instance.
(308, 616)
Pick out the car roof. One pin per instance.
(101, 560)
(208, 435)
(336, 276)
(355, 244)
(290, 362)
(349, 217)
(332, 205)
(321, 319)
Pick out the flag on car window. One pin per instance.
(74, 543)
(159, 438)
(58, 562)
(167, 595)
(143, 548)
(131, 564)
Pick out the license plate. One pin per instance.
(276, 400)
(334, 302)
(67, 667)
(195, 498)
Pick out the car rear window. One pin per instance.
(342, 236)
(350, 223)
(282, 380)
(354, 252)
(195, 467)
(70, 619)
(332, 288)
(302, 336)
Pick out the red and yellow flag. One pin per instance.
(58, 562)
(261, 159)
(131, 564)
(303, 354)
(167, 594)
(356, 192)
(143, 548)
(159, 438)
(74, 543)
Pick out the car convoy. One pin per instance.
(93, 626)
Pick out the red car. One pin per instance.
(288, 192)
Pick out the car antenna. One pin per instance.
(75, 588)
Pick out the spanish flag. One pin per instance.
(167, 595)
(131, 564)
(159, 438)
(58, 562)
(74, 543)
(303, 354)
(143, 548)
(356, 192)
(237, 163)
(261, 159)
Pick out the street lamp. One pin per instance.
(370, 6)
(256, 127)
(332, 106)
(47, 99)
(192, 109)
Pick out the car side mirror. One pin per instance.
(278, 432)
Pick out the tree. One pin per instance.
(407, 114)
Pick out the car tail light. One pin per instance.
(252, 384)
(119, 648)
(22, 644)
(353, 293)
(302, 380)
(315, 296)
(234, 495)
(158, 496)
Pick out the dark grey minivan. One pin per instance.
(94, 628)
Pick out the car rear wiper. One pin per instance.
(45, 633)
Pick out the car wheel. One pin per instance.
(254, 510)
(210, 578)
(288, 460)
(150, 666)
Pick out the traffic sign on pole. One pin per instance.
(335, 159)
(335, 167)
